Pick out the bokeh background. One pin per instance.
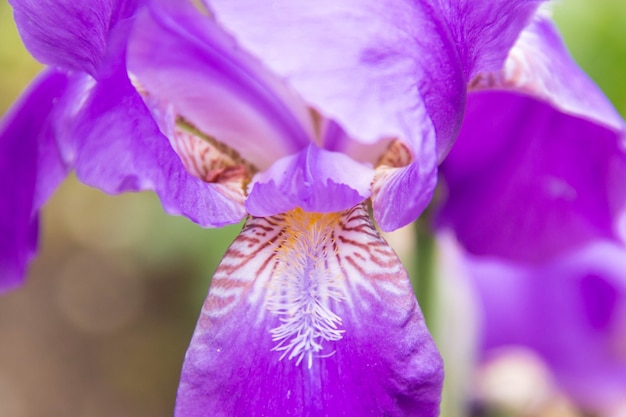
(102, 324)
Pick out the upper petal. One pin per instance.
(525, 181)
(183, 58)
(310, 315)
(372, 65)
(384, 70)
(121, 149)
(30, 168)
(70, 34)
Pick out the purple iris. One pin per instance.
(534, 193)
(293, 115)
(542, 173)
(571, 311)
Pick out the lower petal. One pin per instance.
(310, 314)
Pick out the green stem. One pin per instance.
(425, 285)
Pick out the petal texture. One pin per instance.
(315, 180)
(384, 70)
(400, 194)
(526, 181)
(371, 64)
(183, 58)
(70, 34)
(116, 146)
(310, 315)
(30, 168)
(539, 65)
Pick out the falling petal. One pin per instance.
(570, 310)
(310, 314)
(529, 182)
(30, 169)
(71, 34)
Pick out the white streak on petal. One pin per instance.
(305, 273)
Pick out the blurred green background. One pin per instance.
(102, 324)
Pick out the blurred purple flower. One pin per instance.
(532, 186)
(570, 310)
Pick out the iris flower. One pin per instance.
(571, 311)
(295, 116)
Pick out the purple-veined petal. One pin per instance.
(539, 65)
(571, 311)
(482, 31)
(71, 34)
(526, 181)
(122, 150)
(207, 161)
(314, 179)
(310, 315)
(485, 30)
(118, 147)
(400, 194)
(182, 57)
(30, 168)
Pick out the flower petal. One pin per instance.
(71, 34)
(119, 148)
(400, 194)
(182, 57)
(335, 139)
(371, 64)
(384, 69)
(30, 169)
(572, 311)
(540, 66)
(359, 63)
(310, 314)
(526, 182)
(314, 179)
